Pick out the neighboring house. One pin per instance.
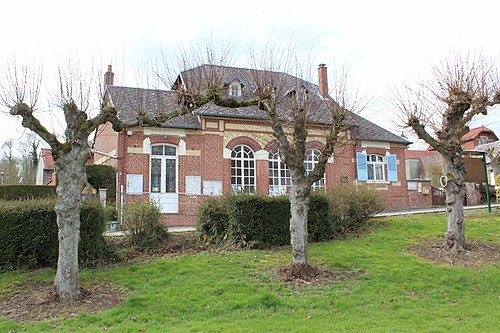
(427, 164)
(45, 168)
(478, 136)
(217, 149)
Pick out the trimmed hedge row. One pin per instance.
(19, 192)
(262, 222)
(257, 221)
(28, 234)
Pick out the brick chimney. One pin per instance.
(109, 77)
(323, 80)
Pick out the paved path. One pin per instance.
(382, 214)
(429, 210)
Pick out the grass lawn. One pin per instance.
(236, 291)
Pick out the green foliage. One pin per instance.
(17, 192)
(238, 292)
(259, 221)
(28, 234)
(352, 206)
(110, 213)
(102, 176)
(142, 224)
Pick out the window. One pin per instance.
(235, 89)
(242, 170)
(163, 175)
(279, 175)
(310, 161)
(483, 140)
(415, 169)
(375, 167)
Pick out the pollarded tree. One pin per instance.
(296, 108)
(19, 92)
(439, 113)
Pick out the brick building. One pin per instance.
(421, 164)
(222, 149)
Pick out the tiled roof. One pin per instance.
(131, 100)
(475, 132)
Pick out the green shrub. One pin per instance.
(213, 219)
(18, 192)
(110, 213)
(28, 235)
(351, 207)
(142, 224)
(258, 221)
(102, 176)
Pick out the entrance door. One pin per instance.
(163, 178)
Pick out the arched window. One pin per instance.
(279, 175)
(243, 170)
(375, 167)
(310, 161)
(163, 169)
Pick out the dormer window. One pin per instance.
(235, 89)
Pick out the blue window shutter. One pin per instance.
(392, 168)
(361, 167)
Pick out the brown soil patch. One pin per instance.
(308, 275)
(174, 244)
(36, 301)
(476, 253)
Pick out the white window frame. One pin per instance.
(234, 89)
(280, 181)
(374, 161)
(311, 159)
(164, 158)
(247, 164)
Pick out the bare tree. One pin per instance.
(439, 111)
(20, 92)
(295, 107)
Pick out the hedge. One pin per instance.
(17, 192)
(102, 176)
(261, 222)
(28, 234)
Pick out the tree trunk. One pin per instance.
(299, 208)
(71, 178)
(455, 194)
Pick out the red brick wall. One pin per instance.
(204, 157)
(422, 197)
(106, 141)
(395, 193)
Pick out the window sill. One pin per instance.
(382, 182)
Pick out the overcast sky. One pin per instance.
(385, 43)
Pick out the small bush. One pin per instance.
(351, 207)
(142, 224)
(19, 192)
(102, 176)
(28, 235)
(110, 213)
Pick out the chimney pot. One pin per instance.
(323, 80)
(109, 77)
